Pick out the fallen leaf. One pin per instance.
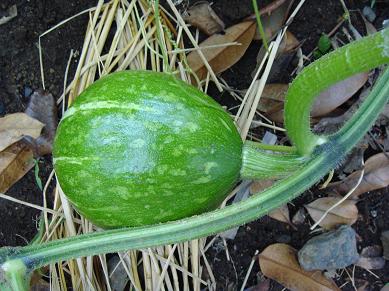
(42, 107)
(15, 162)
(273, 17)
(260, 185)
(279, 262)
(289, 43)
(281, 214)
(12, 13)
(223, 57)
(37, 283)
(273, 97)
(14, 127)
(370, 29)
(376, 176)
(272, 101)
(299, 217)
(331, 124)
(375, 263)
(371, 251)
(285, 55)
(371, 258)
(345, 213)
(202, 16)
(337, 94)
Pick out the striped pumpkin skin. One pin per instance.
(140, 147)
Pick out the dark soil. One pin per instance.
(20, 73)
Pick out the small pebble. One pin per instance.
(369, 13)
(385, 23)
(27, 91)
(331, 250)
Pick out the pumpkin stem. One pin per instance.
(261, 161)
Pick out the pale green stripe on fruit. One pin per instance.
(74, 160)
(106, 105)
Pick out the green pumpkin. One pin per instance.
(140, 147)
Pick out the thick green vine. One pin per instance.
(321, 154)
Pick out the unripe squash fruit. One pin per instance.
(140, 147)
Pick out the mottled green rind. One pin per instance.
(139, 147)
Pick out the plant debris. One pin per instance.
(273, 17)
(272, 101)
(12, 13)
(337, 94)
(15, 162)
(14, 127)
(281, 214)
(345, 213)
(371, 258)
(220, 50)
(278, 262)
(42, 107)
(376, 176)
(202, 16)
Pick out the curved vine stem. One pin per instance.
(14, 262)
(356, 57)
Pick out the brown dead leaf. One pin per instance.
(37, 283)
(281, 214)
(273, 17)
(12, 12)
(370, 29)
(374, 263)
(15, 162)
(376, 176)
(273, 97)
(345, 213)
(278, 262)
(14, 127)
(222, 58)
(299, 216)
(272, 101)
(288, 43)
(202, 16)
(260, 185)
(285, 55)
(371, 258)
(337, 94)
(42, 107)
